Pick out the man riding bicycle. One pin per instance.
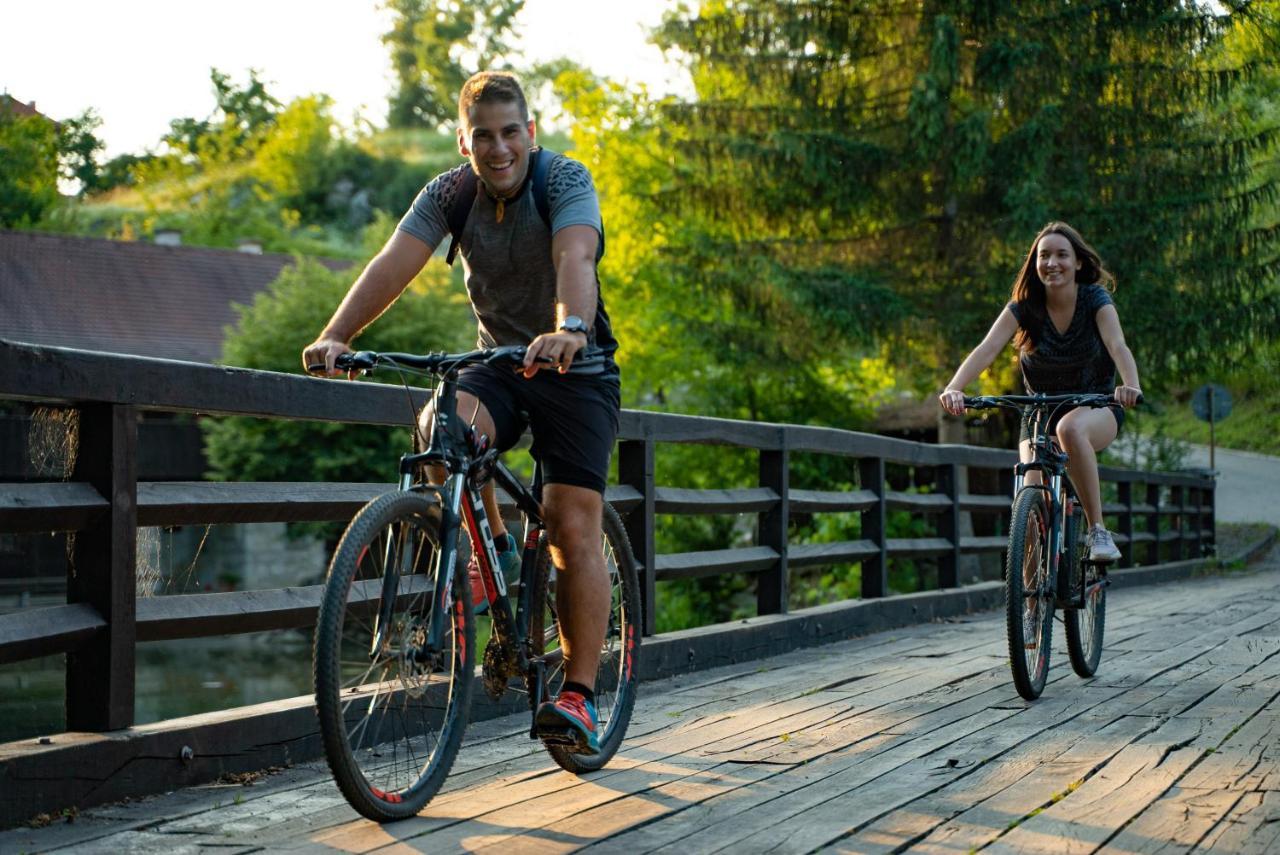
(531, 277)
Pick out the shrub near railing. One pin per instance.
(104, 503)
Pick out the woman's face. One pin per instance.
(1056, 262)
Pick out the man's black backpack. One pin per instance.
(469, 185)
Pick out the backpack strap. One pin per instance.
(463, 199)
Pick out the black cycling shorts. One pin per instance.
(1025, 433)
(573, 419)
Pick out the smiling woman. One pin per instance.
(1064, 324)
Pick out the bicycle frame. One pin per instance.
(468, 466)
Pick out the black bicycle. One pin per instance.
(1048, 562)
(396, 635)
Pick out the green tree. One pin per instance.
(78, 149)
(270, 334)
(28, 168)
(433, 43)
(878, 169)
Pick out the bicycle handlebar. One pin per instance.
(1087, 399)
(435, 363)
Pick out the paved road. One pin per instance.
(909, 739)
(1246, 483)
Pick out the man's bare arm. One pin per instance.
(573, 251)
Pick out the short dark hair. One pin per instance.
(488, 87)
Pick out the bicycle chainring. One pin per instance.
(497, 669)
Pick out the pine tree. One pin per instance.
(878, 167)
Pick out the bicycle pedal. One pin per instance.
(565, 737)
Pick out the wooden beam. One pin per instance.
(100, 574)
(57, 506)
(690, 565)
(752, 500)
(31, 633)
(830, 501)
(773, 584)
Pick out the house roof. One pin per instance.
(171, 302)
(8, 102)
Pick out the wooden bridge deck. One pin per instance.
(907, 739)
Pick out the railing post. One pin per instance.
(1211, 487)
(949, 525)
(1124, 492)
(1178, 496)
(875, 570)
(101, 572)
(1153, 523)
(636, 469)
(773, 586)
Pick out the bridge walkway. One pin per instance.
(912, 739)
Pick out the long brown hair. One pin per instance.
(1028, 290)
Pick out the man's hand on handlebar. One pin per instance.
(319, 356)
(552, 350)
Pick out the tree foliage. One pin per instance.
(880, 167)
(28, 168)
(435, 46)
(270, 334)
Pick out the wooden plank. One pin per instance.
(672, 500)
(831, 501)
(990, 504)
(236, 612)
(690, 565)
(973, 544)
(913, 547)
(58, 506)
(842, 552)
(172, 503)
(64, 374)
(700, 430)
(927, 503)
(45, 631)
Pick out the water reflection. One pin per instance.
(174, 679)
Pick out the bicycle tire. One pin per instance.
(1028, 544)
(617, 675)
(391, 705)
(1084, 626)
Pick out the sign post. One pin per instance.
(1211, 403)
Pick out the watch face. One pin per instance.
(573, 323)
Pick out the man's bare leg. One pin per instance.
(573, 517)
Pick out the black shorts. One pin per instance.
(1025, 433)
(573, 419)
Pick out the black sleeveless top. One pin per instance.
(1071, 361)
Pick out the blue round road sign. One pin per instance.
(1211, 394)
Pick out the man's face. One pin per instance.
(497, 143)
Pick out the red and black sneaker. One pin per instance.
(569, 720)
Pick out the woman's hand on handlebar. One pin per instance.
(318, 357)
(1128, 396)
(952, 401)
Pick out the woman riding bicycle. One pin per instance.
(1065, 327)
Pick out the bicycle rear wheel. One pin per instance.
(1028, 593)
(392, 713)
(1084, 626)
(615, 687)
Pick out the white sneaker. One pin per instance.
(1102, 548)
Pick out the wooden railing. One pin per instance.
(103, 501)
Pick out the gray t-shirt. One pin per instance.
(507, 265)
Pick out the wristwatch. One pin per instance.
(573, 323)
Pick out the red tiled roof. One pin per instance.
(164, 301)
(8, 102)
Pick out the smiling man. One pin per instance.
(531, 277)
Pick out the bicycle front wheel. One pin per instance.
(392, 711)
(616, 677)
(1028, 593)
(1084, 625)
